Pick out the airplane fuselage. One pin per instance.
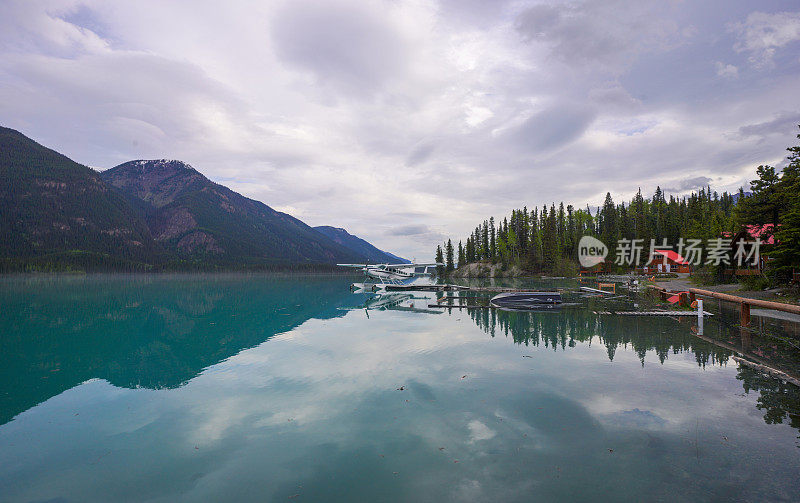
(387, 274)
(394, 273)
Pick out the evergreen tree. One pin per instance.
(562, 229)
(658, 207)
(449, 266)
(439, 260)
(787, 251)
(609, 231)
(625, 230)
(513, 244)
(641, 227)
(524, 231)
(550, 250)
(763, 206)
(571, 243)
(487, 254)
(534, 255)
(502, 251)
(492, 241)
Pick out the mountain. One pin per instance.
(194, 218)
(55, 210)
(735, 196)
(57, 214)
(358, 245)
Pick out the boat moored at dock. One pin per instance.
(526, 300)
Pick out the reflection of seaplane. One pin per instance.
(394, 274)
(395, 302)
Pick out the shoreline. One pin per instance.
(157, 274)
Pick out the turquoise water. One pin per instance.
(269, 388)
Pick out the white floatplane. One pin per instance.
(393, 274)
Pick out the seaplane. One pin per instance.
(381, 275)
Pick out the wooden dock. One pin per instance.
(652, 313)
(596, 290)
(426, 288)
(462, 306)
(691, 294)
(459, 288)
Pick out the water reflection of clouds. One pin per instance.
(479, 431)
(320, 403)
(663, 389)
(636, 418)
(374, 364)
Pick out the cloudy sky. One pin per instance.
(409, 121)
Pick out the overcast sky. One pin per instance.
(405, 122)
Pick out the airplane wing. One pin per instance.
(432, 264)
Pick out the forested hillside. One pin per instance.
(56, 211)
(545, 239)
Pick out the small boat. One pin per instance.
(526, 300)
(596, 290)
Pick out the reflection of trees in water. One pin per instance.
(563, 328)
(780, 401)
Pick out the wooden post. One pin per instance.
(700, 316)
(766, 304)
(746, 339)
(745, 314)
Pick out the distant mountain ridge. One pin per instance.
(193, 216)
(358, 245)
(140, 215)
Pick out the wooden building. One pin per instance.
(667, 261)
(749, 234)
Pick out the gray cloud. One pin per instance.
(420, 154)
(784, 122)
(122, 101)
(345, 45)
(311, 106)
(552, 127)
(614, 97)
(690, 184)
(408, 230)
(417, 233)
(608, 32)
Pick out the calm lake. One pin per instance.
(285, 388)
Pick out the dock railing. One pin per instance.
(745, 303)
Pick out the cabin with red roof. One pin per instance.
(668, 261)
(749, 233)
(752, 232)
